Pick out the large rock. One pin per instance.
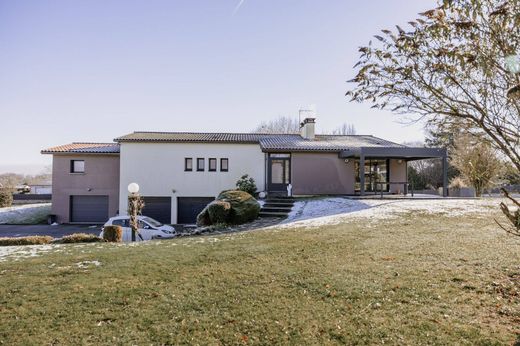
(244, 207)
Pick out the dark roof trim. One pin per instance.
(409, 153)
(301, 150)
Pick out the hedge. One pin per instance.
(6, 198)
(32, 240)
(79, 238)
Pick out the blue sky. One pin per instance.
(94, 70)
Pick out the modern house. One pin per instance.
(180, 172)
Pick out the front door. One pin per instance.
(279, 172)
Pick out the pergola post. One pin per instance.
(362, 174)
(445, 175)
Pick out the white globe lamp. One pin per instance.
(133, 188)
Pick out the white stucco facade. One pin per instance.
(159, 169)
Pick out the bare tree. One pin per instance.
(450, 69)
(280, 125)
(344, 129)
(476, 161)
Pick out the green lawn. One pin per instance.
(421, 279)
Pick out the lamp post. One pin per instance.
(135, 204)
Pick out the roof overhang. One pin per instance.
(406, 153)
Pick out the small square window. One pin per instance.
(224, 165)
(212, 165)
(200, 165)
(77, 166)
(188, 164)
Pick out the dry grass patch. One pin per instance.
(32, 240)
(419, 279)
(79, 238)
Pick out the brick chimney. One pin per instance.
(307, 128)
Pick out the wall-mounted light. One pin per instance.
(399, 161)
(89, 189)
(347, 160)
(174, 191)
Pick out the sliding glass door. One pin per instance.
(377, 174)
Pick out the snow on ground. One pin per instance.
(25, 251)
(25, 214)
(323, 211)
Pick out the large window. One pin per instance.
(188, 164)
(212, 163)
(224, 165)
(77, 166)
(200, 164)
(376, 174)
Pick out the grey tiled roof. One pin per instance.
(190, 137)
(268, 142)
(84, 148)
(323, 143)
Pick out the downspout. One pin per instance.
(362, 173)
(265, 171)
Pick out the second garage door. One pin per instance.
(158, 208)
(189, 207)
(89, 209)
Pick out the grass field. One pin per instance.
(419, 279)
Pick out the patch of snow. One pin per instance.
(87, 264)
(313, 208)
(25, 214)
(330, 211)
(23, 251)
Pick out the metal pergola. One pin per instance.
(403, 153)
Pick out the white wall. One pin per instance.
(158, 168)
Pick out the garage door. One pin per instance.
(189, 207)
(89, 209)
(158, 208)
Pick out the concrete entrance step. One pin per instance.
(276, 209)
(269, 204)
(280, 200)
(273, 214)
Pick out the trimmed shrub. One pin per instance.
(219, 212)
(6, 198)
(246, 184)
(32, 240)
(80, 238)
(113, 234)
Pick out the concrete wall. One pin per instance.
(101, 177)
(397, 174)
(321, 174)
(158, 168)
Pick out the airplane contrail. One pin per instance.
(238, 6)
